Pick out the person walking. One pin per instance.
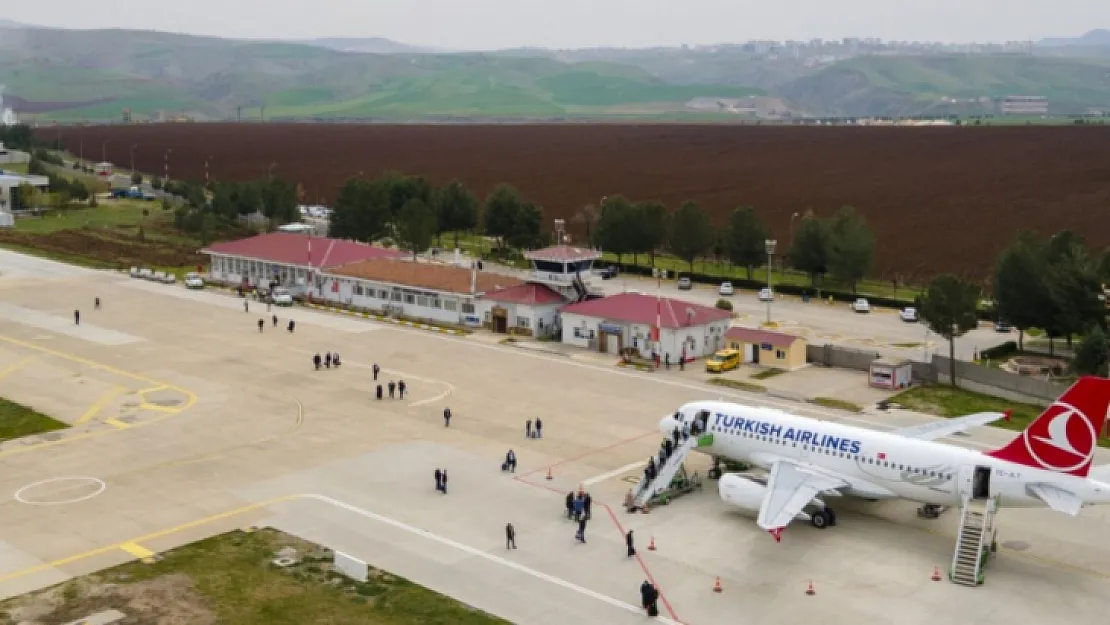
(446, 417)
(439, 479)
(392, 388)
(579, 506)
(444, 482)
(292, 325)
(510, 461)
(587, 501)
(510, 536)
(539, 428)
(379, 391)
(327, 360)
(528, 428)
(667, 361)
(316, 361)
(246, 306)
(581, 534)
(401, 388)
(376, 370)
(261, 324)
(648, 597)
(629, 544)
(96, 303)
(275, 321)
(570, 505)
(77, 317)
(335, 359)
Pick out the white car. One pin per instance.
(193, 280)
(684, 284)
(909, 315)
(168, 278)
(726, 288)
(146, 273)
(861, 305)
(281, 296)
(158, 276)
(766, 295)
(134, 272)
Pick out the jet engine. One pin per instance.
(747, 494)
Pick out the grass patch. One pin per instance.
(768, 373)
(948, 401)
(17, 420)
(738, 384)
(230, 579)
(907, 345)
(838, 404)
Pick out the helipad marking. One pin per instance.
(20, 494)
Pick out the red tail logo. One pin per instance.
(1063, 438)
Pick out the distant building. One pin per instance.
(1024, 105)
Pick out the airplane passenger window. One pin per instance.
(899, 467)
(885, 463)
(870, 461)
(932, 473)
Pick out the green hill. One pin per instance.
(99, 73)
(908, 85)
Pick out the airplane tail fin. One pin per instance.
(1063, 438)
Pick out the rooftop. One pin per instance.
(528, 294)
(563, 253)
(430, 276)
(301, 250)
(13, 179)
(759, 337)
(642, 309)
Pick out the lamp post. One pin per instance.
(270, 172)
(166, 178)
(770, 245)
(792, 218)
(208, 158)
(104, 150)
(133, 146)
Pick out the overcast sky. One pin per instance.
(489, 24)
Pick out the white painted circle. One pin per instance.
(98, 487)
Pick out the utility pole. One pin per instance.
(238, 114)
(770, 246)
(167, 166)
(206, 170)
(133, 146)
(104, 150)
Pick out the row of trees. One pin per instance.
(410, 210)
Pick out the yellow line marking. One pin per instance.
(157, 408)
(100, 404)
(150, 390)
(136, 550)
(116, 423)
(16, 366)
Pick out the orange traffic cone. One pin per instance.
(549, 474)
(651, 545)
(717, 585)
(936, 574)
(810, 591)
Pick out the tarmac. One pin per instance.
(202, 424)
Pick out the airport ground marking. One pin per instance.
(137, 550)
(15, 366)
(116, 423)
(95, 409)
(590, 481)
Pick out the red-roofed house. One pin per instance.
(770, 349)
(285, 257)
(530, 309)
(625, 320)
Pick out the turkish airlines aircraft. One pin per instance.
(1048, 465)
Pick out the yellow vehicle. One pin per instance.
(724, 360)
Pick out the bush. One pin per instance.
(999, 352)
(136, 178)
(724, 304)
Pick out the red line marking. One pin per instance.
(612, 515)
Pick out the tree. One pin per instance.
(851, 246)
(1091, 355)
(526, 227)
(28, 196)
(279, 201)
(1076, 305)
(613, 234)
(809, 251)
(456, 209)
(652, 231)
(691, 232)
(156, 182)
(948, 307)
(1020, 292)
(747, 237)
(501, 209)
(361, 210)
(59, 200)
(136, 178)
(416, 225)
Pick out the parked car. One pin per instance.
(685, 284)
(766, 295)
(726, 289)
(861, 305)
(169, 278)
(280, 296)
(724, 360)
(608, 272)
(1002, 326)
(146, 273)
(908, 314)
(193, 280)
(158, 276)
(134, 272)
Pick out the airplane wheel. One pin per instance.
(713, 474)
(820, 519)
(832, 517)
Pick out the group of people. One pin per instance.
(537, 432)
(394, 388)
(330, 359)
(290, 327)
(578, 508)
(510, 462)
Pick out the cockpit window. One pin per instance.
(678, 416)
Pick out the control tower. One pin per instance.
(564, 268)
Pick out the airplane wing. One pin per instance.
(946, 427)
(1056, 498)
(790, 488)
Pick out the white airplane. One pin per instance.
(1048, 465)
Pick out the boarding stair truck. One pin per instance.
(671, 479)
(976, 540)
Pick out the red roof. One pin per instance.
(642, 309)
(527, 294)
(560, 253)
(759, 337)
(295, 249)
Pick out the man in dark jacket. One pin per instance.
(628, 542)
(510, 536)
(649, 596)
(392, 388)
(401, 388)
(376, 370)
(570, 505)
(379, 391)
(439, 479)
(587, 501)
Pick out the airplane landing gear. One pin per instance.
(715, 472)
(823, 518)
(931, 511)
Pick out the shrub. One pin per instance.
(998, 352)
(724, 304)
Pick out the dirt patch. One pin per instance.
(939, 199)
(112, 248)
(166, 600)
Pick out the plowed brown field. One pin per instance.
(939, 199)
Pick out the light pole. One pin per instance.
(166, 178)
(770, 245)
(792, 218)
(270, 172)
(208, 158)
(104, 150)
(133, 146)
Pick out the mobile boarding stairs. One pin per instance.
(975, 541)
(671, 479)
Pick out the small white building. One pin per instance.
(415, 290)
(527, 309)
(10, 181)
(625, 320)
(564, 269)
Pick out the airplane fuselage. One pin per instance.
(879, 465)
